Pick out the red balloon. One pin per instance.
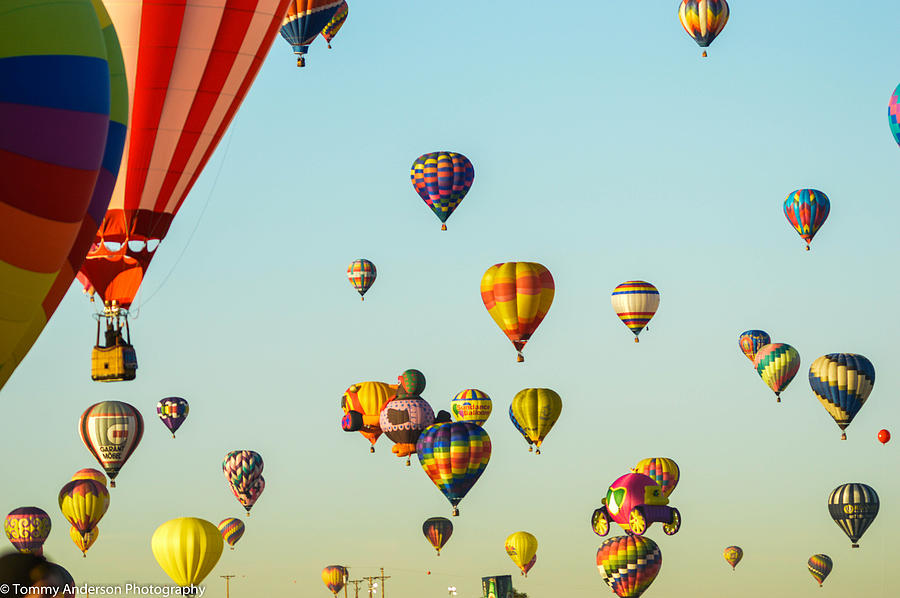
(884, 436)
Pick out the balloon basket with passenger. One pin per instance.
(115, 360)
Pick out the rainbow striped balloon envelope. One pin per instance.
(442, 180)
(807, 210)
(842, 382)
(232, 529)
(894, 114)
(454, 455)
(629, 564)
(471, 405)
(777, 364)
(361, 274)
(635, 302)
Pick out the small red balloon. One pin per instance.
(884, 436)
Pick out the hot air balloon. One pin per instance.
(437, 531)
(820, 566)
(518, 426)
(84, 503)
(330, 31)
(471, 405)
(90, 474)
(521, 548)
(777, 364)
(842, 382)
(172, 411)
(807, 210)
(62, 147)
(454, 455)
(442, 180)
(664, 472)
(304, 21)
(853, 507)
(187, 549)
(27, 528)
(518, 296)
(403, 419)
(894, 114)
(733, 556)
(884, 436)
(189, 66)
(248, 497)
(635, 302)
(536, 410)
(362, 275)
(243, 469)
(629, 564)
(703, 20)
(231, 529)
(84, 541)
(368, 398)
(111, 430)
(751, 341)
(334, 577)
(635, 501)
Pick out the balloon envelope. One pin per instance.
(362, 275)
(27, 528)
(807, 210)
(819, 566)
(629, 564)
(111, 431)
(664, 472)
(437, 531)
(172, 411)
(334, 577)
(231, 529)
(751, 341)
(635, 302)
(402, 420)
(894, 114)
(454, 455)
(471, 405)
(187, 549)
(303, 22)
(368, 398)
(521, 548)
(84, 503)
(853, 508)
(90, 473)
(536, 410)
(330, 31)
(442, 180)
(733, 556)
(518, 296)
(777, 364)
(243, 470)
(84, 541)
(842, 382)
(703, 20)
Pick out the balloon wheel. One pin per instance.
(637, 522)
(601, 525)
(671, 528)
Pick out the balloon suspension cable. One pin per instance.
(443, 227)
(84, 555)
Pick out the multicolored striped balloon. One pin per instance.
(751, 341)
(536, 411)
(111, 431)
(777, 364)
(362, 275)
(819, 566)
(304, 21)
(521, 548)
(703, 19)
(635, 303)
(232, 529)
(330, 31)
(243, 469)
(437, 531)
(454, 455)
(807, 210)
(173, 411)
(629, 564)
(334, 577)
(894, 114)
(27, 528)
(842, 382)
(664, 472)
(84, 541)
(733, 555)
(518, 296)
(853, 507)
(442, 180)
(471, 405)
(84, 503)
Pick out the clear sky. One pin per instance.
(606, 149)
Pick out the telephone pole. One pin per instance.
(227, 579)
(356, 583)
(380, 578)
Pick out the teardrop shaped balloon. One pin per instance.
(703, 20)
(84, 541)
(362, 275)
(894, 114)
(842, 382)
(442, 180)
(90, 474)
(334, 577)
(518, 426)
(231, 529)
(248, 497)
(27, 528)
(437, 531)
(664, 472)
(330, 31)
(733, 556)
(368, 398)
(529, 565)
(471, 405)
(536, 410)
(853, 508)
(243, 469)
(521, 548)
(172, 411)
(819, 566)
(777, 364)
(518, 296)
(84, 503)
(454, 455)
(629, 564)
(111, 431)
(187, 549)
(304, 21)
(751, 341)
(635, 302)
(807, 210)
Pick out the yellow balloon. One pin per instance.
(521, 548)
(536, 410)
(83, 503)
(368, 398)
(187, 549)
(83, 541)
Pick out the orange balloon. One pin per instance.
(518, 296)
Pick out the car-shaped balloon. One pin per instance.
(635, 501)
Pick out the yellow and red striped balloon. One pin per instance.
(518, 296)
(84, 541)
(635, 303)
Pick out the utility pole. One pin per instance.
(356, 583)
(380, 578)
(227, 579)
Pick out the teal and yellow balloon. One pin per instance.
(842, 382)
(471, 405)
(777, 364)
(819, 566)
(807, 210)
(536, 410)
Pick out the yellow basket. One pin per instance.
(113, 364)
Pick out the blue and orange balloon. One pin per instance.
(304, 21)
(807, 210)
(442, 180)
(751, 341)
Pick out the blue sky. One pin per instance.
(605, 149)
